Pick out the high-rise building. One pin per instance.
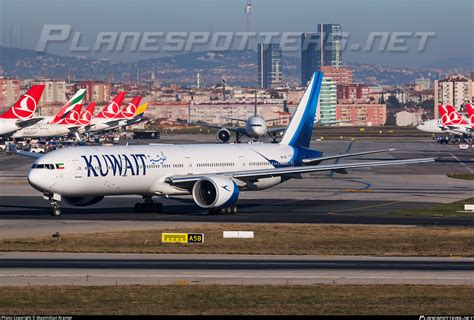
(454, 90)
(54, 91)
(97, 91)
(9, 92)
(323, 48)
(269, 65)
(327, 101)
(339, 75)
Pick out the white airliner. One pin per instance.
(62, 124)
(255, 128)
(214, 174)
(20, 115)
(451, 123)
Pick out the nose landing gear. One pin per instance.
(55, 200)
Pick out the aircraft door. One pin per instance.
(77, 169)
(188, 165)
(241, 161)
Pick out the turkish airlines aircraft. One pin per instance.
(108, 115)
(470, 114)
(126, 115)
(63, 123)
(214, 174)
(20, 115)
(86, 116)
(454, 122)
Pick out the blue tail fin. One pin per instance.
(300, 128)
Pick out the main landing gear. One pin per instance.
(148, 206)
(225, 210)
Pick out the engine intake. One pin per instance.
(83, 201)
(215, 192)
(223, 135)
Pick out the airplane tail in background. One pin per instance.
(72, 117)
(300, 128)
(470, 113)
(111, 110)
(454, 117)
(141, 110)
(128, 112)
(86, 115)
(25, 107)
(69, 107)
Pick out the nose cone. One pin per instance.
(37, 180)
(257, 126)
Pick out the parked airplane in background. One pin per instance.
(470, 114)
(108, 115)
(85, 118)
(255, 128)
(20, 115)
(62, 124)
(214, 174)
(451, 123)
(125, 115)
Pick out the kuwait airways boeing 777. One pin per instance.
(214, 174)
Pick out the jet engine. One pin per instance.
(215, 192)
(223, 135)
(83, 201)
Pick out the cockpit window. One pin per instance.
(43, 166)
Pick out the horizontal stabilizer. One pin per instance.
(28, 122)
(312, 161)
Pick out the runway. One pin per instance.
(250, 211)
(20, 269)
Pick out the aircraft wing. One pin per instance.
(312, 161)
(28, 122)
(276, 130)
(207, 125)
(275, 172)
(234, 119)
(29, 154)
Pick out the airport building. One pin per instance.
(327, 101)
(455, 90)
(323, 48)
(269, 66)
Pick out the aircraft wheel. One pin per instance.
(56, 212)
(233, 210)
(157, 207)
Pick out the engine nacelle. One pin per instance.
(215, 192)
(83, 201)
(223, 135)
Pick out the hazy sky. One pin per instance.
(452, 21)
